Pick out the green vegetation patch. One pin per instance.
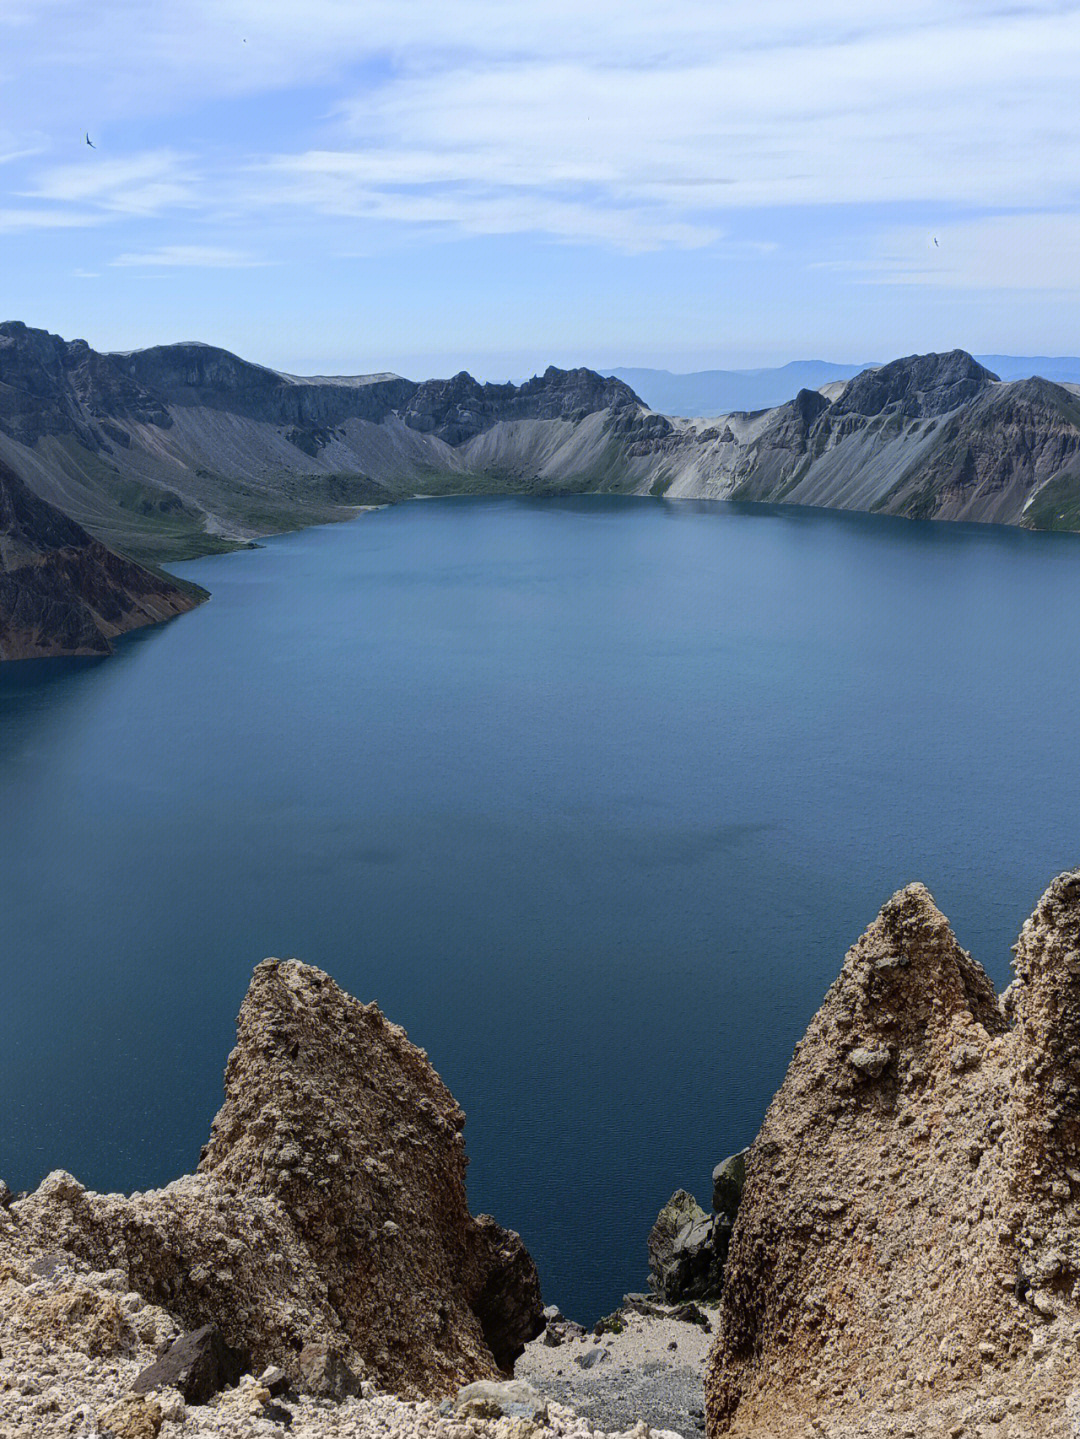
(1056, 506)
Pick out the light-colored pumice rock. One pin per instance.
(906, 1256)
(329, 1209)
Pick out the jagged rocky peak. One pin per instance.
(63, 592)
(328, 1213)
(916, 386)
(457, 409)
(905, 1249)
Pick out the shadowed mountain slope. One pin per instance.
(62, 592)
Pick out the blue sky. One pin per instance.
(430, 185)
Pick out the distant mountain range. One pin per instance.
(718, 392)
(185, 449)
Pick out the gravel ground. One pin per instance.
(71, 1345)
(653, 1371)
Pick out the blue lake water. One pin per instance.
(591, 795)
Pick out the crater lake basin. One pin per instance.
(589, 794)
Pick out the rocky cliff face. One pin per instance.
(328, 1213)
(50, 386)
(457, 410)
(916, 387)
(62, 592)
(906, 1257)
(182, 449)
(202, 375)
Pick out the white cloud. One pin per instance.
(634, 126)
(26, 219)
(142, 184)
(205, 257)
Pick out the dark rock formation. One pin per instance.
(328, 1209)
(906, 1256)
(455, 410)
(728, 1179)
(64, 593)
(199, 1365)
(687, 1249)
(193, 374)
(916, 386)
(50, 386)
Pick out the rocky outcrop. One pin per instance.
(50, 386)
(916, 386)
(64, 593)
(906, 1256)
(192, 374)
(328, 1211)
(687, 1247)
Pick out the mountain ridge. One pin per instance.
(699, 394)
(181, 450)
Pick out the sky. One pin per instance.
(344, 186)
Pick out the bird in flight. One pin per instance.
(90, 142)
(936, 245)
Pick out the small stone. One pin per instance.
(871, 1063)
(275, 1380)
(172, 1406)
(590, 1358)
(132, 1418)
(323, 1371)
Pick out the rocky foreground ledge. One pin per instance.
(904, 1259)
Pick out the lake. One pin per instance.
(591, 795)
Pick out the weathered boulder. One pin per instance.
(131, 1418)
(329, 1208)
(491, 1400)
(323, 1369)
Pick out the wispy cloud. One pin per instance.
(203, 257)
(744, 139)
(634, 125)
(135, 185)
(1034, 251)
(40, 219)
